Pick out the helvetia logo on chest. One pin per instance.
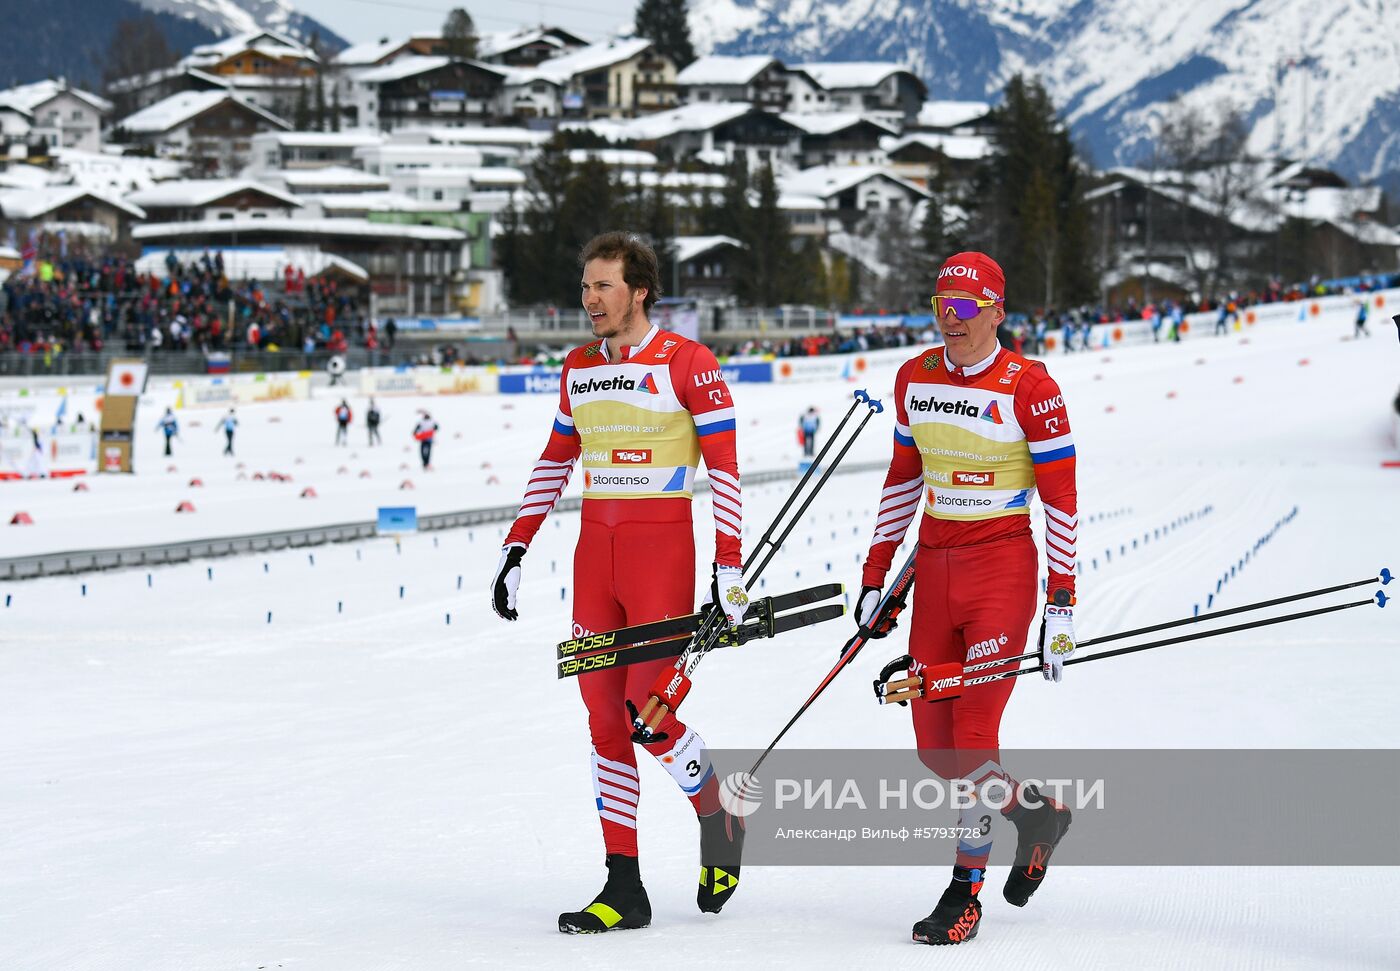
(991, 413)
(647, 385)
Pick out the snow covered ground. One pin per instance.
(361, 783)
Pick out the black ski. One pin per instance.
(599, 660)
(685, 625)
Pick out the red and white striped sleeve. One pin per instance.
(902, 494)
(550, 474)
(700, 386)
(1040, 410)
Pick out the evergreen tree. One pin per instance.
(1029, 210)
(664, 23)
(459, 35)
(766, 278)
(301, 112)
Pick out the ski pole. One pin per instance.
(874, 407)
(1384, 576)
(674, 685)
(890, 608)
(910, 687)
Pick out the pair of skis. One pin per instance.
(766, 617)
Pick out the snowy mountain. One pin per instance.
(240, 16)
(1315, 79)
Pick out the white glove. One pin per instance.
(727, 589)
(507, 581)
(1056, 640)
(867, 605)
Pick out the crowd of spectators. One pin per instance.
(88, 304)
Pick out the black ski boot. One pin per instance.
(958, 913)
(622, 904)
(1038, 832)
(721, 846)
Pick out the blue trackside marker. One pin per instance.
(1210, 600)
(149, 581)
(269, 616)
(563, 593)
(357, 554)
(400, 592)
(340, 606)
(459, 581)
(264, 567)
(1196, 610)
(84, 589)
(210, 571)
(311, 558)
(7, 600)
(449, 620)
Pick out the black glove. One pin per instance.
(507, 581)
(867, 608)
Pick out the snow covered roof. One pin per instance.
(460, 175)
(951, 114)
(330, 175)
(368, 53)
(829, 122)
(593, 58)
(722, 69)
(472, 135)
(176, 110)
(357, 202)
(798, 202)
(254, 263)
(697, 116)
(202, 192)
(11, 106)
(31, 203)
(279, 45)
(297, 227)
(325, 139)
(9, 252)
(961, 147)
(503, 42)
(825, 181)
(689, 247)
(404, 67)
(28, 97)
(21, 176)
(850, 74)
(613, 156)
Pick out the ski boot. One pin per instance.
(622, 904)
(1038, 832)
(958, 913)
(721, 846)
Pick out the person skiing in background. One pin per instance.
(228, 424)
(807, 426)
(1362, 311)
(170, 426)
(978, 430)
(372, 417)
(423, 433)
(641, 406)
(1178, 315)
(342, 422)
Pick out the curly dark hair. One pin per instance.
(639, 267)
